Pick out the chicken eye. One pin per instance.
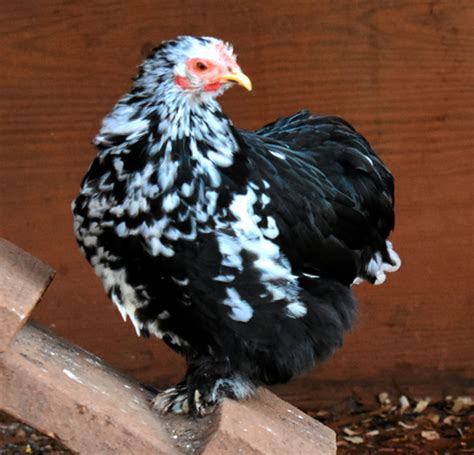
(201, 66)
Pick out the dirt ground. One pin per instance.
(365, 424)
(369, 424)
(17, 438)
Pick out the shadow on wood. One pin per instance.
(71, 394)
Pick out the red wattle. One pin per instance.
(212, 87)
(182, 82)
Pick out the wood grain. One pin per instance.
(63, 390)
(23, 280)
(401, 71)
(60, 389)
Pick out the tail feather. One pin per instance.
(378, 266)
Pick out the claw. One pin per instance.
(205, 409)
(197, 396)
(174, 399)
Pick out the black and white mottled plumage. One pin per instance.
(237, 248)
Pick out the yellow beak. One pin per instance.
(240, 78)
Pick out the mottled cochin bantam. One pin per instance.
(237, 248)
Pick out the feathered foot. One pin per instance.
(200, 398)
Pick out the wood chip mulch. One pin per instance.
(364, 423)
(383, 424)
(17, 438)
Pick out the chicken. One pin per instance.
(237, 248)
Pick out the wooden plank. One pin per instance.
(401, 71)
(91, 408)
(23, 279)
(63, 390)
(273, 427)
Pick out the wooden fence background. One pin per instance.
(401, 71)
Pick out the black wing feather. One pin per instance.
(331, 195)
